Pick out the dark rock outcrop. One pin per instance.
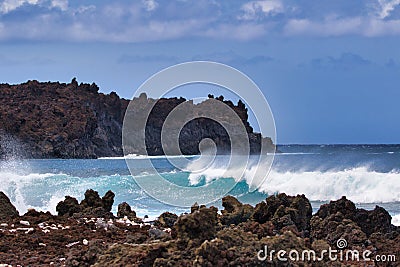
(91, 206)
(7, 209)
(199, 225)
(59, 120)
(343, 205)
(285, 211)
(125, 210)
(166, 220)
(68, 207)
(341, 219)
(373, 221)
(235, 212)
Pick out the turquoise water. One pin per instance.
(367, 175)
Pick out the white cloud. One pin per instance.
(242, 32)
(150, 5)
(386, 7)
(61, 4)
(252, 10)
(370, 27)
(329, 27)
(10, 5)
(377, 27)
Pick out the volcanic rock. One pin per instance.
(235, 212)
(91, 206)
(284, 211)
(7, 209)
(343, 205)
(68, 207)
(125, 210)
(199, 225)
(60, 120)
(374, 221)
(166, 220)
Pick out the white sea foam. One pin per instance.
(359, 184)
(13, 185)
(396, 220)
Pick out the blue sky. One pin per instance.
(330, 70)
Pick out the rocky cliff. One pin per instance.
(59, 120)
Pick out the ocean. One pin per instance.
(368, 175)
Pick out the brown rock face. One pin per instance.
(341, 219)
(343, 205)
(377, 220)
(167, 219)
(125, 210)
(91, 205)
(199, 225)
(7, 209)
(285, 211)
(59, 120)
(235, 212)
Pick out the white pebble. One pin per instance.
(3, 225)
(42, 244)
(72, 244)
(29, 230)
(24, 223)
(85, 242)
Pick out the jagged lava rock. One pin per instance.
(200, 224)
(124, 209)
(235, 212)
(68, 207)
(91, 205)
(374, 221)
(7, 209)
(284, 211)
(343, 205)
(166, 220)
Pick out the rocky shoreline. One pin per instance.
(71, 120)
(88, 234)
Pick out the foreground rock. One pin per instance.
(201, 238)
(91, 206)
(7, 210)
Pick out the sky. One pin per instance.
(330, 70)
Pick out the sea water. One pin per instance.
(368, 175)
